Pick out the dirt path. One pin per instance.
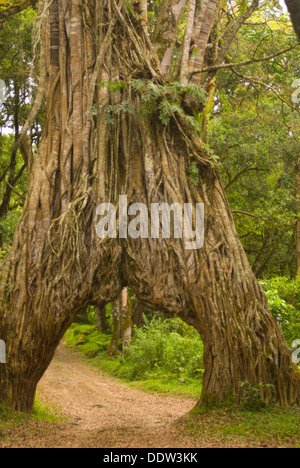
(102, 412)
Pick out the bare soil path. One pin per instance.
(103, 412)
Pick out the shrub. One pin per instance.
(87, 338)
(167, 346)
(287, 315)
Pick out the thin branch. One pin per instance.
(252, 80)
(234, 27)
(16, 192)
(246, 213)
(246, 62)
(19, 175)
(234, 179)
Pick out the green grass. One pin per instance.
(277, 426)
(169, 386)
(46, 413)
(164, 384)
(160, 356)
(11, 420)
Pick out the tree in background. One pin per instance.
(116, 124)
(254, 128)
(17, 57)
(8, 9)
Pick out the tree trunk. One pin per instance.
(101, 319)
(297, 180)
(137, 314)
(126, 319)
(294, 10)
(91, 153)
(116, 313)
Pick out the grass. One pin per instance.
(169, 386)
(160, 360)
(11, 421)
(268, 427)
(156, 383)
(156, 364)
(272, 427)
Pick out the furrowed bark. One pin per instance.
(202, 29)
(90, 153)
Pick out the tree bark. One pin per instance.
(126, 319)
(117, 324)
(186, 50)
(294, 10)
(137, 314)
(58, 266)
(165, 34)
(101, 319)
(202, 29)
(297, 180)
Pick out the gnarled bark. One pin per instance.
(58, 266)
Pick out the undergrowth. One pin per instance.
(165, 356)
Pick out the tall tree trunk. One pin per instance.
(126, 319)
(294, 10)
(101, 319)
(137, 314)
(58, 266)
(186, 49)
(117, 323)
(297, 180)
(202, 29)
(165, 34)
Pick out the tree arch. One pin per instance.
(98, 70)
